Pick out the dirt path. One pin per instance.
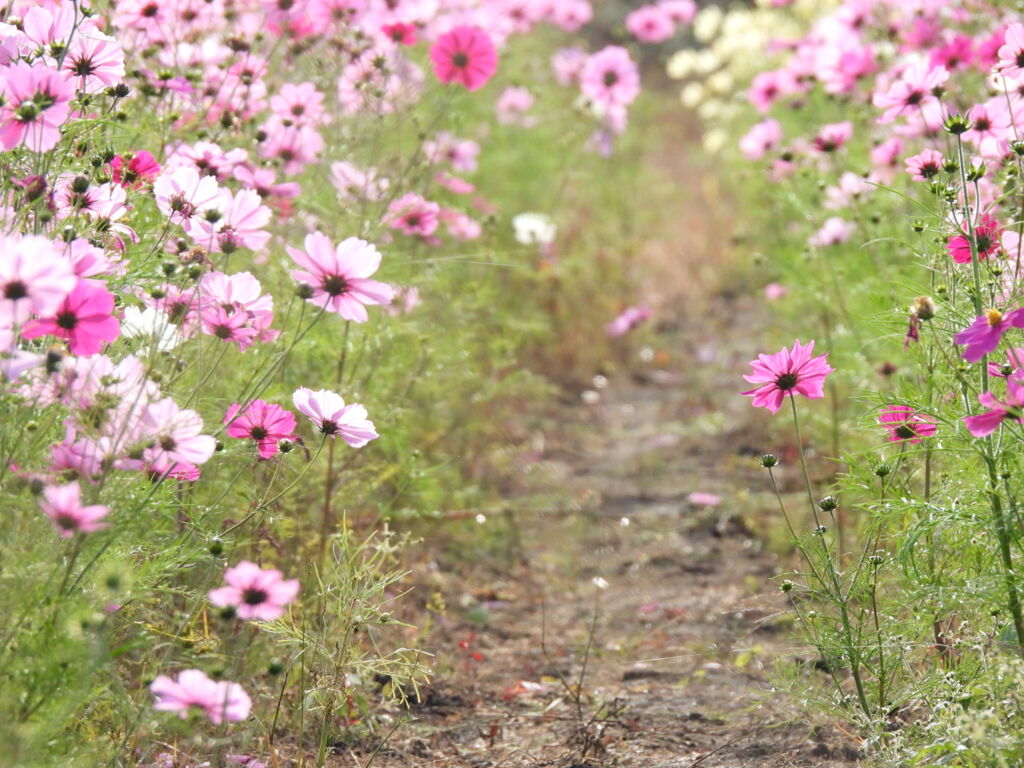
(637, 630)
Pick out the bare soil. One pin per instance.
(633, 627)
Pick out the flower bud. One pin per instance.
(957, 124)
(828, 504)
(923, 308)
(769, 460)
(216, 547)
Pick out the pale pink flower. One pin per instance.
(1011, 54)
(925, 164)
(219, 701)
(37, 102)
(175, 435)
(63, 505)
(650, 24)
(34, 277)
(330, 415)
(414, 215)
(610, 77)
(256, 594)
(761, 139)
(338, 276)
(832, 232)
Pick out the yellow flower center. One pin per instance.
(994, 317)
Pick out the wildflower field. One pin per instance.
(511, 383)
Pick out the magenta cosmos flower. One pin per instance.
(263, 422)
(339, 275)
(786, 372)
(464, 55)
(219, 700)
(984, 334)
(85, 319)
(998, 410)
(905, 424)
(63, 505)
(610, 77)
(330, 415)
(987, 236)
(255, 593)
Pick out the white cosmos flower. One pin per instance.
(534, 229)
(153, 326)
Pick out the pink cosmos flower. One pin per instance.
(627, 320)
(906, 424)
(234, 308)
(134, 169)
(650, 24)
(461, 154)
(680, 11)
(339, 276)
(63, 505)
(182, 192)
(984, 334)
(353, 183)
(413, 215)
(330, 415)
(175, 436)
(957, 52)
(219, 700)
(263, 422)
(1014, 363)
(774, 291)
(255, 594)
(1012, 407)
(785, 373)
(570, 15)
(610, 77)
(886, 159)
(85, 319)
(833, 136)
(34, 277)
(233, 221)
(568, 64)
(987, 235)
(464, 55)
(94, 60)
(403, 34)
(914, 91)
(761, 139)
(925, 165)
(299, 104)
(833, 231)
(704, 499)
(37, 102)
(512, 106)
(1011, 54)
